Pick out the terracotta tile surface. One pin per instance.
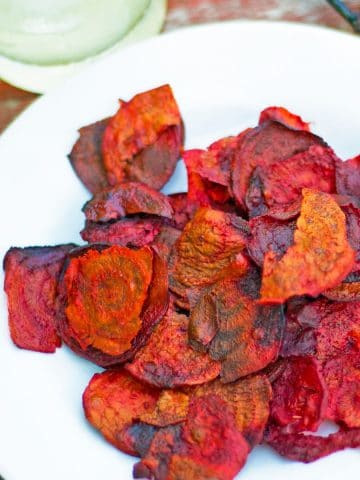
(187, 12)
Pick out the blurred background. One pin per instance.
(44, 41)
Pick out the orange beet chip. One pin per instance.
(320, 257)
(171, 408)
(243, 335)
(299, 396)
(86, 157)
(282, 115)
(113, 401)
(271, 142)
(207, 446)
(31, 276)
(208, 244)
(142, 141)
(126, 199)
(342, 377)
(347, 291)
(249, 399)
(168, 361)
(110, 298)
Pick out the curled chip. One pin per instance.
(348, 177)
(309, 448)
(249, 399)
(207, 446)
(208, 244)
(31, 276)
(347, 291)
(171, 408)
(113, 401)
(342, 377)
(142, 141)
(270, 234)
(280, 183)
(320, 258)
(127, 232)
(243, 335)
(299, 396)
(110, 297)
(86, 157)
(184, 209)
(282, 115)
(209, 171)
(126, 199)
(269, 143)
(168, 361)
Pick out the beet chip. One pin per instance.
(31, 276)
(299, 396)
(270, 234)
(165, 240)
(113, 401)
(126, 199)
(110, 298)
(282, 115)
(348, 177)
(184, 209)
(342, 377)
(208, 244)
(320, 258)
(347, 291)
(207, 446)
(309, 448)
(171, 408)
(142, 141)
(269, 143)
(168, 361)
(86, 157)
(127, 232)
(280, 183)
(249, 398)
(243, 335)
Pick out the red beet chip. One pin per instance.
(110, 298)
(249, 399)
(342, 377)
(126, 199)
(269, 143)
(31, 276)
(113, 401)
(348, 177)
(128, 232)
(207, 446)
(184, 209)
(282, 115)
(309, 448)
(299, 396)
(168, 361)
(86, 157)
(281, 183)
(269, 233)
(142, 141)
(243, 335)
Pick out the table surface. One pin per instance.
(189, 12)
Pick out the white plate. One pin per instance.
(222, 75)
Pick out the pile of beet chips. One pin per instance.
(226, 316)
